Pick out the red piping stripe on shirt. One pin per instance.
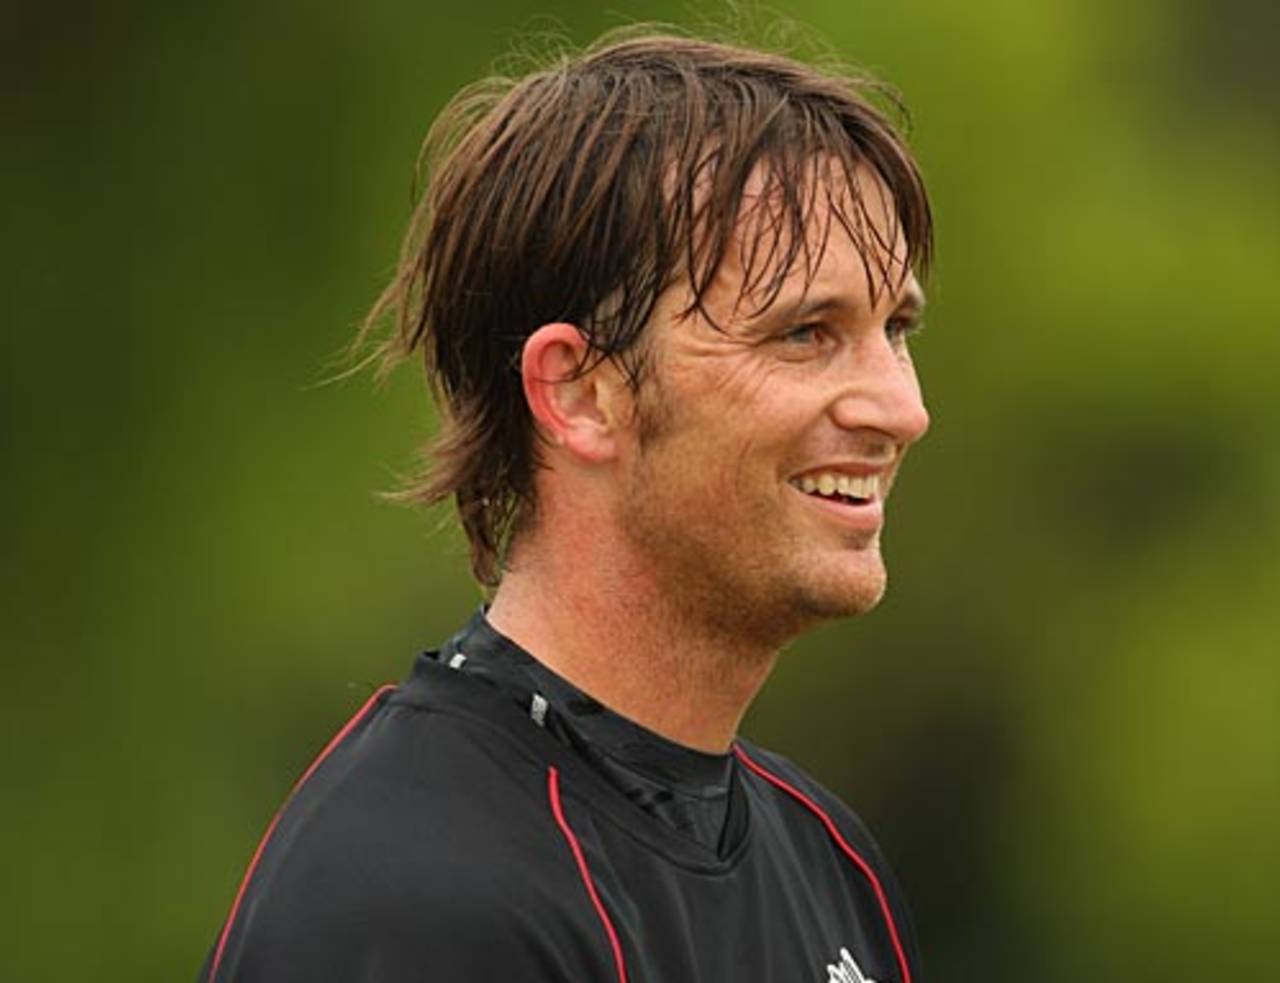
(553, 793)
(262, 844)
(849, 851)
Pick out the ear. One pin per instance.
(579, 411)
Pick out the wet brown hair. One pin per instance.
(584, 189)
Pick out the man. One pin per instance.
(663, 290)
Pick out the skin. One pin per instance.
(672, 556)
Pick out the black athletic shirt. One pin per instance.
(690, 791)
(487, 821)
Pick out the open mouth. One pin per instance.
(840, 488)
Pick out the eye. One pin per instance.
(802, 334)
(900, 328)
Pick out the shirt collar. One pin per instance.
(683, 787)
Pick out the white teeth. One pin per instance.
(830, 483)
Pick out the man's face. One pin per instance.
(764, 450)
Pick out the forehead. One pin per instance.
(849, 241)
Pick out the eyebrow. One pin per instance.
(911, 302)
(913, 299)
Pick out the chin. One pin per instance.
(846, 593)
(848, 604)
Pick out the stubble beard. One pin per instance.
(726, 582)
(843, 594)
(711, 577)
(716, 583)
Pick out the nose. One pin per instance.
(880, 391)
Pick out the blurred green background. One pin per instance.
(1064, 721)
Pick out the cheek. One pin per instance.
(731, 377)
(701, 474)
(727, 432)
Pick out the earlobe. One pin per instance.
(571, 407)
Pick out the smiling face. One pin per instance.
(767, 442)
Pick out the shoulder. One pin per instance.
(422, 845)
(806, 793)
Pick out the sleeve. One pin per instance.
(459, 925)
(377, 891)
(418, 852)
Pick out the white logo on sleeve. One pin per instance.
(846, 970)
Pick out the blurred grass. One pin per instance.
(1063, 720)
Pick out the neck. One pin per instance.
(612, 631)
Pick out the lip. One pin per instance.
(864, 517)
(852, 469)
